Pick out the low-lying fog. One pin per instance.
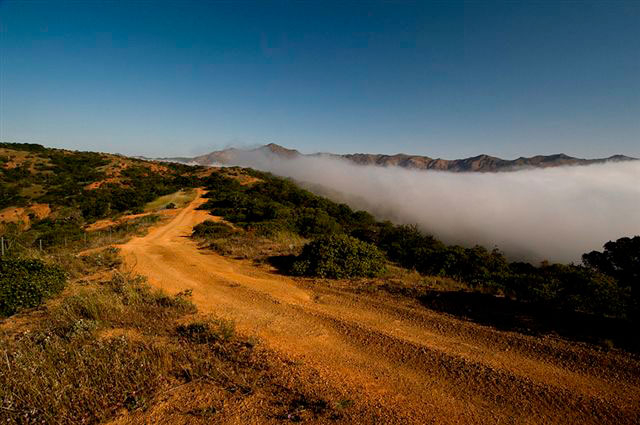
(534, 214)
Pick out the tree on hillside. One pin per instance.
(620, 260)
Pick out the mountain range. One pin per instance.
(480, 163)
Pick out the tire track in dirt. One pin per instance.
(477, 380)
(396, 360)
(563, 354)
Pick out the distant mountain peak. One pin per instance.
(620, 158)
(279, 150)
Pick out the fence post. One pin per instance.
(2, 245)
(40, 245)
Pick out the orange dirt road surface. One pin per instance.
(397, 361)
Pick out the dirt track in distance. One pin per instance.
(397, 361)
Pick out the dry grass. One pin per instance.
(60, 372)
(249, 245)
(121, 232)
(115, 346)
(179, 199)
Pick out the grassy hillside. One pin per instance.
(98, 185)
(50, 197)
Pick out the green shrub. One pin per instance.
(339, 256)
(566, 287)
(26, 283)
(212, 229)
(9, 196)
(206, 332)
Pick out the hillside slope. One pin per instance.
(38, 182)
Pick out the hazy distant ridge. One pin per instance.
(480, 163)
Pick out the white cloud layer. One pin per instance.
(534, 214)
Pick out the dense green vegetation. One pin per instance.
(27, 147)
(339, 256)
(621, 261)
(26, 283)
(276, 204)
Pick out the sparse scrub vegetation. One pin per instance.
(63, 235)
(207, 332)
(67, 179)
(108, 259)
(106, 372)
(249, 245)
(29, 275)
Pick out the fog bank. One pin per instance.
(534, 214)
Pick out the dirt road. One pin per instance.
(395, 360)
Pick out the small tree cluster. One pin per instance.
(620, 259)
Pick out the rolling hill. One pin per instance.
(135, 292)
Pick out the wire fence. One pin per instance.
(19, 243)
(14, 245)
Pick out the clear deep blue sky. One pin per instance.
(447, 79)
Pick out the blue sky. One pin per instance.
(446, 79)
